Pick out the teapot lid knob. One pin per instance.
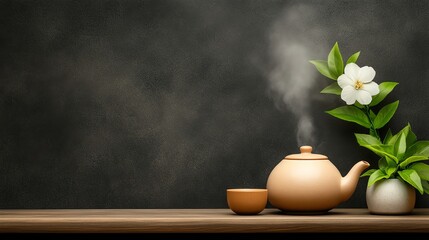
(306, 154)
(306, 149)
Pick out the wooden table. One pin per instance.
(205, 221)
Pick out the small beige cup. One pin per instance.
(247, 201)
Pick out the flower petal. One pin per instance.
(371, 87)
(366, 74)
(344, 81)
(349, 95)
(352, 71)
(363, 97)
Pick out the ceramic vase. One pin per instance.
(390, 196)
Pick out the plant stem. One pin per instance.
(372, 131)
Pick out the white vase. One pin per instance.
(390, 196)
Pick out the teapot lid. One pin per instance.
(306, 155)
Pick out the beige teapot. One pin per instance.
(309, 182)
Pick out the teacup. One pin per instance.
(247, 201)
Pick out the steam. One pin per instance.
(294, 40)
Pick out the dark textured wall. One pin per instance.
(165, 104)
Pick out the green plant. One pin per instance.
(400, 155)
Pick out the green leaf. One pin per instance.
(412, 159)
(366, 139)
(385, 89)
(388, 136)
(420, 148)
(425, 185)
(373, 144)
(332, 89)
(385, 114)
(353, 58)
(350, 114)
(389, 171)
(394, 138)
(422, 169)
(381, 151)
(376, 176)
(368, 173)
(388, 165)
(322, 67)
(382, 163)
(391, 162)
(335, 61)
(411, 177)
(400, 146)
(411, 137)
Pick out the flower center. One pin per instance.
(358, 85)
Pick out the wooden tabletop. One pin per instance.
(205, 221)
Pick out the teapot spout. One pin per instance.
(350, 181)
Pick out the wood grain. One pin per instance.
(204, 221)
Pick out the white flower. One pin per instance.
(357, 84)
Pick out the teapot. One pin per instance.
(309, 182)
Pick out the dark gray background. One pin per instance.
(166, 104)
